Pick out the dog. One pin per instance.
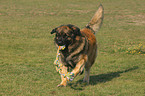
(80, 49)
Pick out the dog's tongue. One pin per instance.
(61, 47)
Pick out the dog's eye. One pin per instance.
(57, 35)
(72, 35)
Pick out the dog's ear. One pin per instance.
(75, 29)
(53, 31)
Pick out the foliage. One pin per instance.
(138, 49)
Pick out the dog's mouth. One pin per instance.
(61, 47)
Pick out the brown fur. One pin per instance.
(81, 46)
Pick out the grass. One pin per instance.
(27, 49)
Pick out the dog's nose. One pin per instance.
(59, 41)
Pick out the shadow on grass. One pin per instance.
(101, 78)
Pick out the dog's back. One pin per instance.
(89, 32)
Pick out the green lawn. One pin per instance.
(27, 49)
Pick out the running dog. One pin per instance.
(80, 47)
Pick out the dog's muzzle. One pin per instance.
(60, 41)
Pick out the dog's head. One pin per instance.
(65, 34)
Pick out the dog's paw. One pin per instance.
(85, 83)
(70, 76)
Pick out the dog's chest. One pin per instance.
(72, 54)
(69, 60)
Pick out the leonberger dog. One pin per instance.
(80, 49)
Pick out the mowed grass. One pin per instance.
(27, 50)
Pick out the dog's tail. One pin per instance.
(97, 20)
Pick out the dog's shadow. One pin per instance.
(101, 78)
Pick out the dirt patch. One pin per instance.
(78, 11)
(126, 16)
(136, 19)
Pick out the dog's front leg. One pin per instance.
(79, 66)
(63, 80)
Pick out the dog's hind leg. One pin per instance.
(87, 76)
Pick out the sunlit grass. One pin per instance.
(27, 49)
